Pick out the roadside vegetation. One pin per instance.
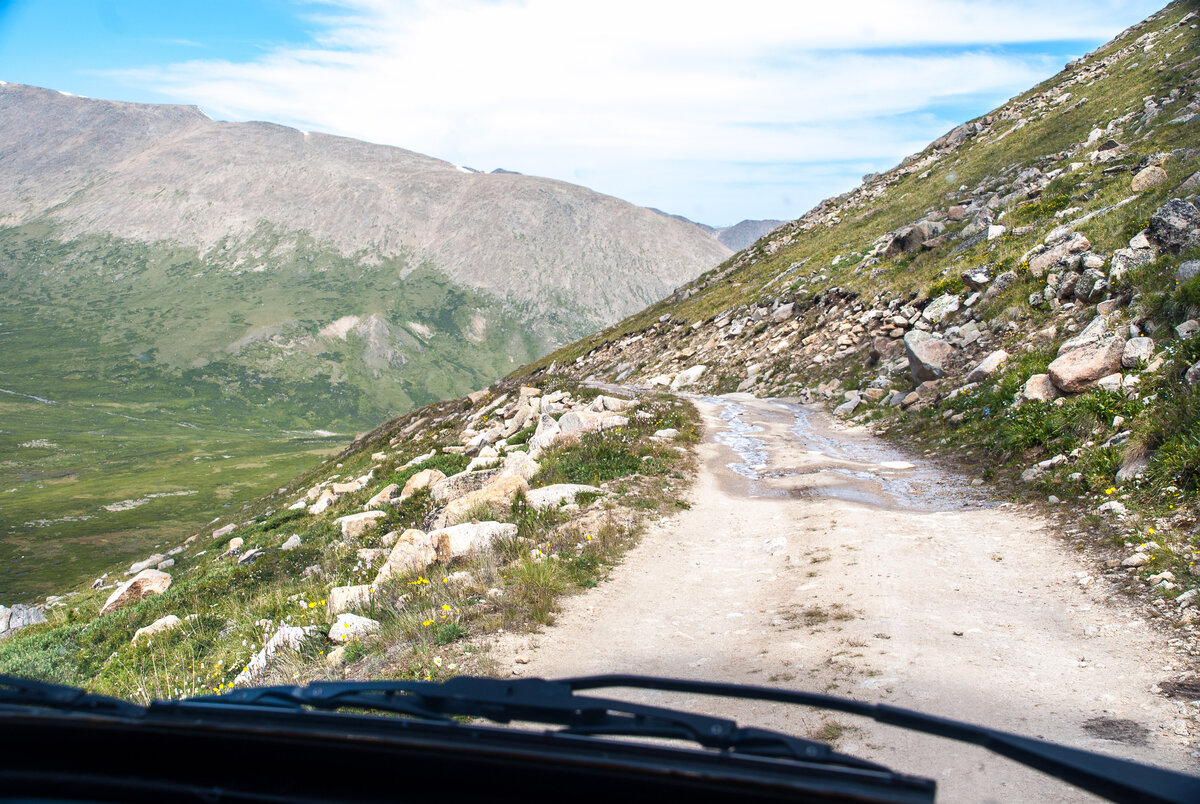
(428, 618)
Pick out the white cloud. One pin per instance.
(666, 104)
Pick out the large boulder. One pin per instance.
(157, 627)
(497, 494)
(288, 637)
(687, 377)
(926, 355)
(455, 486)
(1187, 271)
(413, 551)
(1038, 388)
(423, 478)
(987, 367)
(351, 627)
(18, 617)
(941, 307)
(553, 496)
(463, 540)
(347, 598)
(1079, 369)
(354, 525)
(145, 583)
(1175, 226)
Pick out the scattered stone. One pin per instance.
(1137, 351)
(1079, 369)
(288, 637)
(1148, 178)
(1075, 244)
(165, 565)
(153, 560)
(1112, 507)
(976, 278)
(1136, 560)
(847, 408)
(292, 543)
(1187, 329)
(252, 556)
(1133, 465)
(1187, 271)
(941, 307)
(145, 583)
(354, 525)
(224, 531)
(687, 377)
(553, 496)
(926, 355)
(1193, 374)
(987, 367)
(385, 496)
(668, 433)
(235, 544)
(1039, 388)
(158, 626)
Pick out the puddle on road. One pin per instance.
(736, 436)
(864, 472)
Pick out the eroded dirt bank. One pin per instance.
(818, 558)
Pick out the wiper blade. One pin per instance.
(538, 701)
(1113, 778)
(24, 692)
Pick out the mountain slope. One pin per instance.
(196, 302)
(168, 173)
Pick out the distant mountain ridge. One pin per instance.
(737, 237)
(169, 173)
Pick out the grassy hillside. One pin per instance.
(155, 363)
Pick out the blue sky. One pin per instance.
(716, 111)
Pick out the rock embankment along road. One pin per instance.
(815, 557)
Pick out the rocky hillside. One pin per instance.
(1024, 292)
(451, 522)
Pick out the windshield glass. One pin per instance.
(759, 345)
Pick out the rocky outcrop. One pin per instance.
(459, 541)
(146, 583)
(157, 627)
(553, 496)
(413, 551)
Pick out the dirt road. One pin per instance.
(816, 557)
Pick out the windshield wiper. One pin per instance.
(538, 701)
(1113, 778)
(25, 692)
(558, 703)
